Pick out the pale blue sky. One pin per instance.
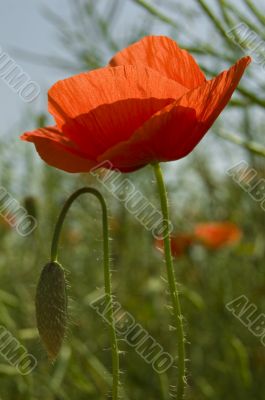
(22, 26)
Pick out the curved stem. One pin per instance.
(172, 283)
(107, 274)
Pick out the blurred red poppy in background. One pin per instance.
(151, 103)
(215, 235)
(179, 244)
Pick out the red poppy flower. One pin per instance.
(151, 103)
(179, 244)
(217, 234)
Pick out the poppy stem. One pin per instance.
(174, 294)
(107, 273)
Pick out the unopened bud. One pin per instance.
(51, 308)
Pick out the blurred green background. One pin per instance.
(225, 359)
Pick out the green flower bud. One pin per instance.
(51, 308)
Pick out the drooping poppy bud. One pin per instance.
(51, 307)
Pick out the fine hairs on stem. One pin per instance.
(172, 282)
(107, 274)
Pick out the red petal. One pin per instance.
(57, 151)
(163, 55)
(97, 110)
(174, 131)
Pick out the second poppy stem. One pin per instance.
(107, 273)
(172, 282)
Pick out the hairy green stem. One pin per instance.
(107, 273)
(172, 283)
